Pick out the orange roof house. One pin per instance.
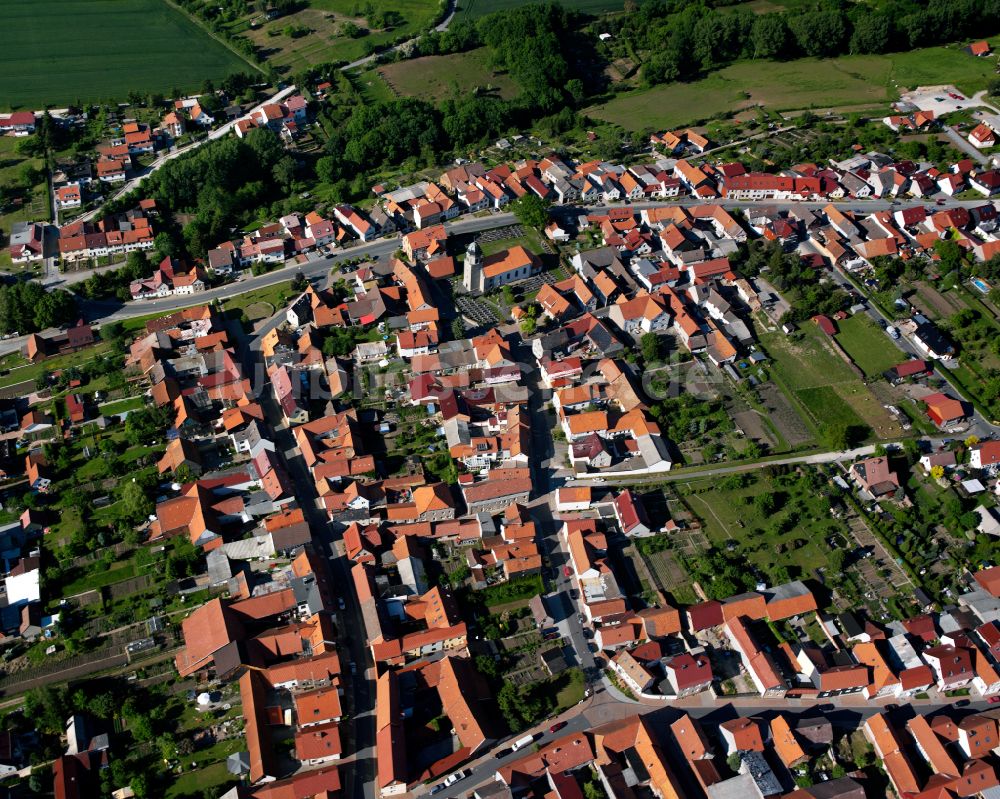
(612, 742)
(751, 604)
(785, 743)
(944, 410)
(321, 706)
(742, 735)
(791, 599)
(931, 746)
(318, 744)
(888, 746)
(465, 700)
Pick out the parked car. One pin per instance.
(560, 724)
(567, 571)
(993, 700)
(438, 788)
(451, 779)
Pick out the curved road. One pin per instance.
(440, 28)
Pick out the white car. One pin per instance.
(451, 779)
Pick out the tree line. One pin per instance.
(680, 40)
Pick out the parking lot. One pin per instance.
(939, 99)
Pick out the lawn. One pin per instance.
(34, 370)
(571, 690)
(55, 52)
(33, 204)
(480, 8)
(89, 582)
(123, 405)
(436, 77)
(806, 362)
(325, 40)
(276, 296)
(804, 83)
(512, 591)
(867, 345)
(193, 783)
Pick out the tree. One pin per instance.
(872, 33)
(769, 36)
(650, 344)
(765, 503)
(164, 246)
(531, 210)
(835, 436)
(937, 471)
(458, 328)
(47, 708)
(136, 506)
(820, 33)
(146, 423)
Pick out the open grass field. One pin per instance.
(472, 9)
(867, 345)
(325, 40)
(826, 407)
(436, 77)
(823, 385)
(804, 83)
(56, 52)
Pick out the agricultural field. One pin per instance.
(321, 32)
(471, 9)
(869, 347)
(804, 83)
(56, 52)
(435, 77)
(823, 384)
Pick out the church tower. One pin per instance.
(472, 276)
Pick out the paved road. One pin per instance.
(844, 713)
(964, 145)
(359, 698)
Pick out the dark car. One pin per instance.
(438, 788)
(558, 726)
